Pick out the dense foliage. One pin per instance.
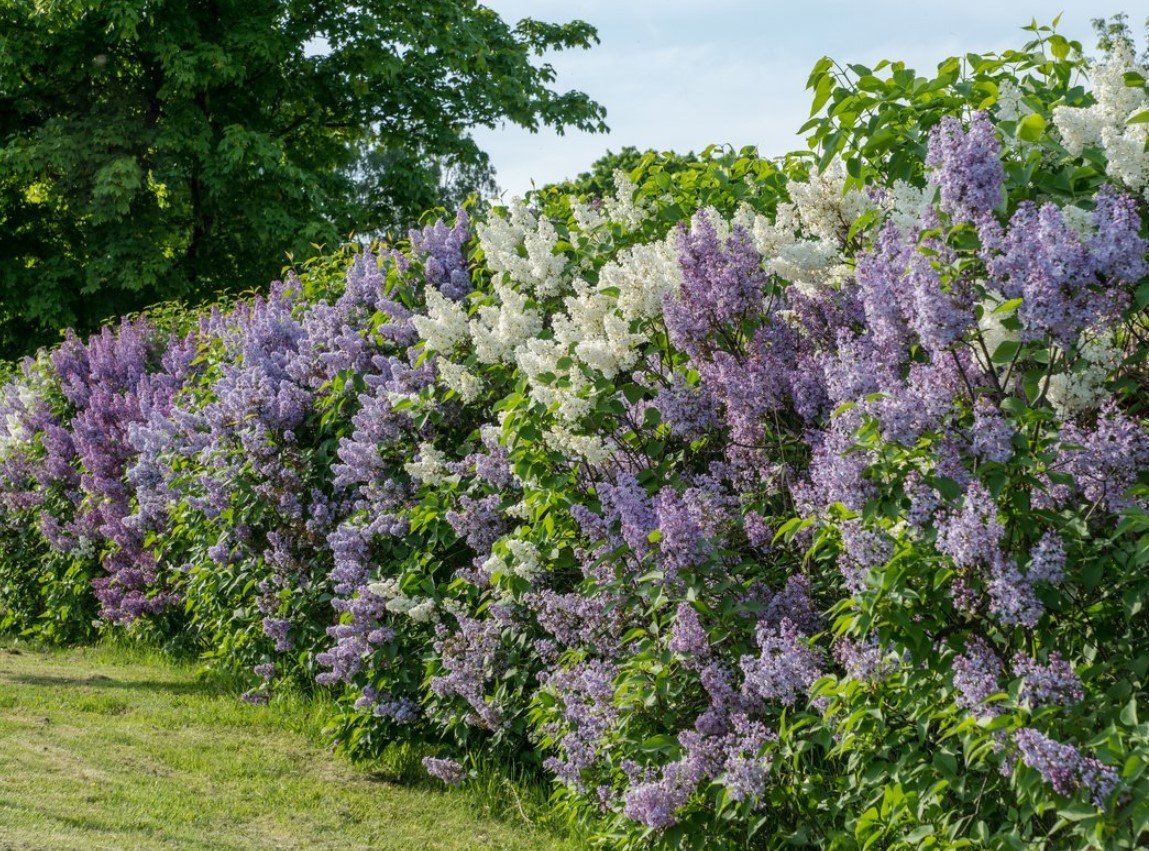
(154, 150)
(754, 503)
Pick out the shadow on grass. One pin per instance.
(101, 682)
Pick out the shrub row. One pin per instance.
(756, 503)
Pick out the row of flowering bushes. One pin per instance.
(763, 502)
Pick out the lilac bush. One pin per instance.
(757, 503)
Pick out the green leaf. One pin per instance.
(1005, 351)
(1129, 713)
(1031, 128)
(1008, 306)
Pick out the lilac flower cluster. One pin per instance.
(967, 166)
(447, 770)
(1064, 768)
(786, 666)
(1054, 683)
(977, 675)
(470, 657)
(586, 691)
(722, 283)
(1066, 283)
(444, 256)
(1104, 459)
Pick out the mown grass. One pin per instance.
(118, 748)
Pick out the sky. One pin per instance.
(682, 74)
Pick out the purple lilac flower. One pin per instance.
(444, 255)
(653, 804)
(687, 411)
(448, 770)
(1052, 684)
(966, 166)
(1064, 768)
(586, 691)
(973, 535)
(1105, 459)
(1047, 559)
(626, 502)
(885, 294)
(977, 672)
(1065, 287)
(746, 768)
(722, 281)
(401, 710)
(862, 660)
(1117, 247)
(278, 630)
(991, 437)
(837, 470)
(785, 668)
(687, 636)
(1011, 595)
(480, 522)
(112, 383)
(471, 657)
(917, 405)
(576, 619)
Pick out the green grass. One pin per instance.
(108, 748)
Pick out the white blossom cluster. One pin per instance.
(523, 560)
(522, 246)
(23, 395)
(418, 609)
(455, 376)
(497, 330)
(445, 324)
(993, 331)
(601, 331)
(624, 206)
(429, 466)
(596, 332)
(1083, 388)
(905, 204)
(1010, 106)
(1104, 124)
(588, 446)
(805, 242)
(14, 433)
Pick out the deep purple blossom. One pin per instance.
(444, 256)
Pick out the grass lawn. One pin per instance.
(105, 749)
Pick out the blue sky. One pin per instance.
(680, 74)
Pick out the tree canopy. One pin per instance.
(152, 149)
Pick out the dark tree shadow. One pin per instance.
(101, 682)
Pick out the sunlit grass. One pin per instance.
(113, 747)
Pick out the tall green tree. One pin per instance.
(152, 149)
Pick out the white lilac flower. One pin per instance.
(429, 466)
(445, 325)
